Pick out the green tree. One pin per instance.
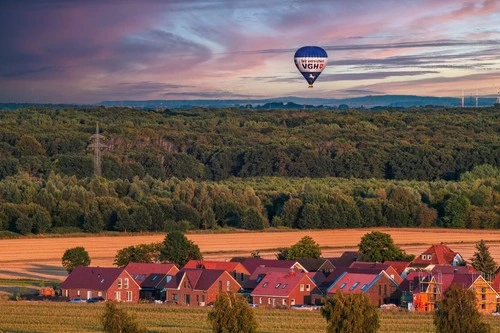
(145, 253)
(177, 249)
(253, 220)
(232, 313)
(482, 260)
(377, 246)
(115, 320)
(74, 257)
(457, 313)
(304, 248)
(350, 313)
(456, 211)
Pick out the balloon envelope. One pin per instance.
(310, 61)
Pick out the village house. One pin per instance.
(198, 286)
(284, 289)
(252, 263)
(438, 254)
(377, 287)
(114, 284)
(236, 269)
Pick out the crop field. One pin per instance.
(24, 316)
(40, 258)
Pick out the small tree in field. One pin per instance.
(144, 253)
(482, 260)
(304, 248)
(231, 313)
(377, 246)
(177, 249)
(74, 257)
(116, 320)
(350, 313)
(457, 313)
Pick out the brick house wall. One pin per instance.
(300, 294)
(186, 295)
(123, 289)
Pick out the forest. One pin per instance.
(210, 168)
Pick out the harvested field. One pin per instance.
(40, 258)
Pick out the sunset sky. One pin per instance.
(58, 51)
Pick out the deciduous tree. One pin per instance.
(115, 320)
(304, 248)
(145, 253)
(74, 257)
(457, 313)
(177, 249)
(378, 247)
(350, 313)
(231, 313)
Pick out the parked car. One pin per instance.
(96, 299)
(77, 300)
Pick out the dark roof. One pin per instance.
(228, 266)
(314, 265)
(154, 280)
(94, 278)
(200, 279)
(399, 266)
(141, 271)
(252, 263)
(446, 269)
(345, 259)
(416, 282)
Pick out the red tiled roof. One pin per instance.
(141, 271)
(354, 282)
(252, 263)
(399, 266)
(228, 266)
(281, 284)
(259, 273)
(92, 278)
(200, 279)
(440, 255)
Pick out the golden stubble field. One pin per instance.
(40, 258)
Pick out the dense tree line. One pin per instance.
(216, 144)
(60, 203)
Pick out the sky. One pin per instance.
(87, 51)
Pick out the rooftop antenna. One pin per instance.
(97, 145)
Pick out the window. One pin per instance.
(284, 286)
(125, 283)
(284, 301)
(429, 257)
(118, 296)
(228, 285)
(119, 283)
(242, 277)
(66, 293)
(342, 285)
(260, 300)
(129, 296)
(354, 285)
(78, 292)
(203, 298)
(301, 287)
(483, 306)
(364, 287)
(259, 278)
(308, 287)
(175, 297)
(264, 285)
(424, 257)
(277, 285)
(154, 277)
(292, 301)
(99, 293)
(268, 300)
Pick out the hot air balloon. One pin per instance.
(310, 61)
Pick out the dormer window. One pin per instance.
(429, 256)
(424, 257)
(264, 285)
(277, 285)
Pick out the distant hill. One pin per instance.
(286, 102)
(291, 102)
